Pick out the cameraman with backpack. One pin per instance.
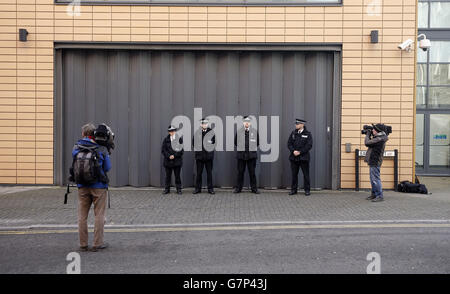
(90, 164)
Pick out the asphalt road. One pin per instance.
(404, 249)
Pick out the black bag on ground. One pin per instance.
(409, 187)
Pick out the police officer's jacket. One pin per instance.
(204, 149)
(167, 151)
(301, 142)
(247, 143)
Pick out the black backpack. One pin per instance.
(409, 187)
(86, 169)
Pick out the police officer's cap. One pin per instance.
(171, 128)
(247, 119)
(300, 121)
(204, 121)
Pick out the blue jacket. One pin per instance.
(104, 161)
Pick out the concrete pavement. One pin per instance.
(43, 207)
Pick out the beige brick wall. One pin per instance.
(377, 85)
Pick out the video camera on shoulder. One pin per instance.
(104, 136)
(379, 127)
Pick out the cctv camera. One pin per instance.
(424, 44)
(406, 45)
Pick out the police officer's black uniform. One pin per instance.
(172, 164)
(248, 138)
(300, 141)
(204, 156)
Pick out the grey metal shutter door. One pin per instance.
(138, 92)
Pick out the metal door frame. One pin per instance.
(336, 48)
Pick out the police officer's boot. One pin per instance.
(293, 192)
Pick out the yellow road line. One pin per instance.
(232, 228)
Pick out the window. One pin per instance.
(433, 14)
(433, 76)
(440, 14)
(421, 74)
(423, 15)
(438, 75)
(440, 52)
(421, 96)
(422, 79)
(438, 97)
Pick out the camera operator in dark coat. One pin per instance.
(246, 140)
(204, 143)
(375, 140)
(172, 150)
(300, 143)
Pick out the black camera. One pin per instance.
(379, 127)
(387, 129)
(366, 128)
(104, 136)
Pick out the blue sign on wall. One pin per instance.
(440, 137)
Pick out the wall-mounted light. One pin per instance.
(374, 36)
(23, 35)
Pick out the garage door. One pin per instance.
(138, 92)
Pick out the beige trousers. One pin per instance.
(87, 196)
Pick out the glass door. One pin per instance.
(439, 144)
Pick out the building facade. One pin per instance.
(135, 64)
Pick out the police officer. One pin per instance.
(172, 150)
(246, 140)
(204, 142)
(300, 143)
